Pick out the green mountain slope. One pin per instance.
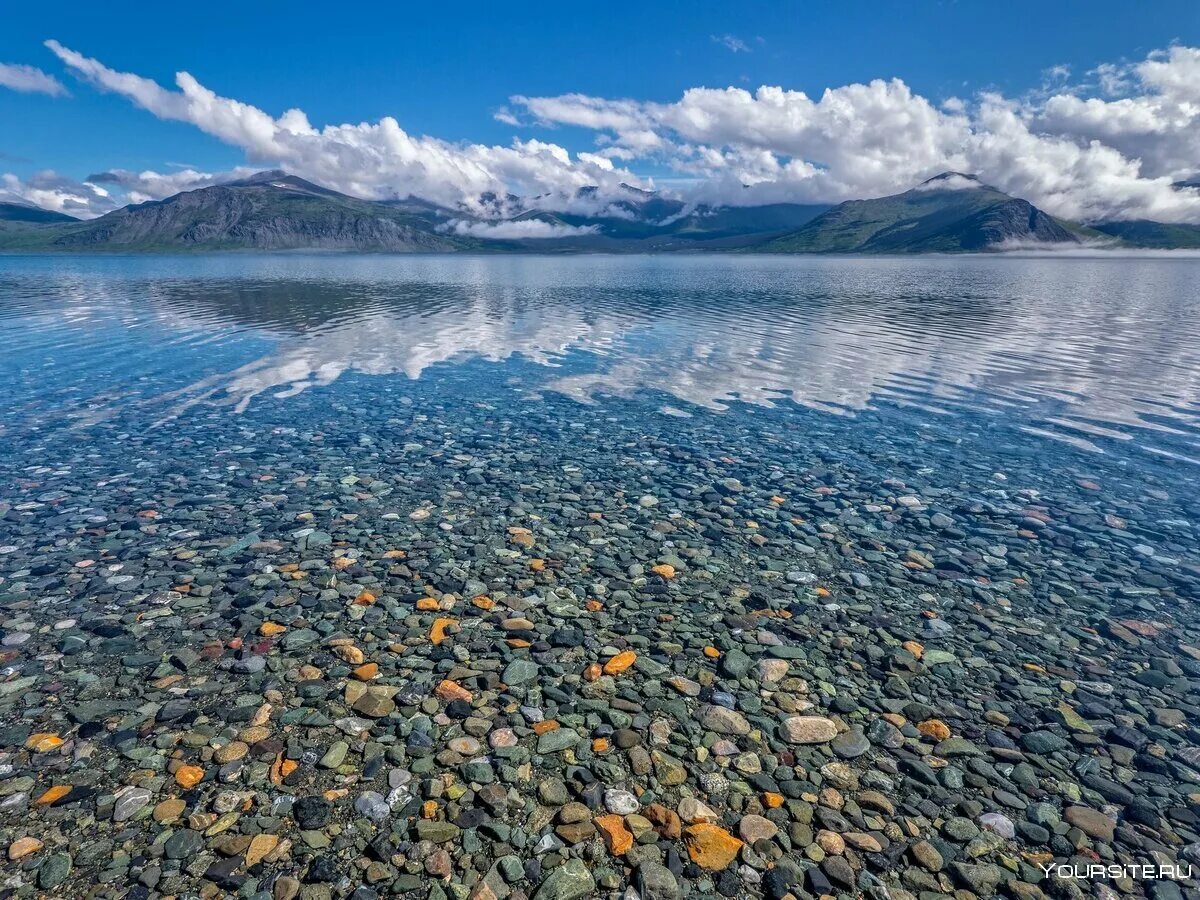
(946, 214)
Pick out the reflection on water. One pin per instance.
(1080, 349)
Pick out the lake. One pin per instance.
(432, 550)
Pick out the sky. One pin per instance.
(1090, 110)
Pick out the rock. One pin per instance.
(981, 879)
(558, 740)
(755, 828)
(710, 847)
(183, 844)
(657, 882)
(261, 846)
(54, 871)
(622, 803)
(807, 730)
(617, 838)
(620, 663)
(1091, 822)
(926, 856)
(437, 832)
(23, 846)
(570, 881)
(724, 721)
(130, 800)
(519, 671)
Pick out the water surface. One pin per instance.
(956, 491)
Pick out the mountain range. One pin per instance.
(272, 210)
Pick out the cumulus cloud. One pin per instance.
(1082, 157)
(150, 185)
(518, 229)
(369, 159)
(103, 192)
(49, 190)
(30, 80)
(1110, 146)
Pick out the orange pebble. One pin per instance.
(187, 777)
(366, 671)
(51, 794)
(437, 633)
(620, 663)
(712, 652)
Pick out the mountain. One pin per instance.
(273, 210)
(1152, 235)
(639, 221)
(23, 212)
(951, 212)
(276, 211)
(268, 211)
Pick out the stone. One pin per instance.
(1091, 822)
(570, 881)
(711, 847)
(756, 828)
(807, 730)
(23, 846)
(657, 882)
(617, 838)
(724, 721)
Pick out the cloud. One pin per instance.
(1110, 146)
(369, 159)
(30, 80)
(730, 42)
(1082, 157)
(519, 229)
(103, 192)
(49, 190)
(149, 185)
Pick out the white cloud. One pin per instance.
(30, 80)
(103, 192)
(731, 42)
(377, 159)
(149, 185)
(1082, 157)
(49, 190)
(1113, 155)
(519, 229)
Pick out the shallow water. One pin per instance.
(846, 449)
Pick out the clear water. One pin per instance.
(995, 456)
(1101, 354)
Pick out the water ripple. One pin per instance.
(1082, 350)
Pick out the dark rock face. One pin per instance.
(1014, 221)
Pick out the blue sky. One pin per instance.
(445, 70)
